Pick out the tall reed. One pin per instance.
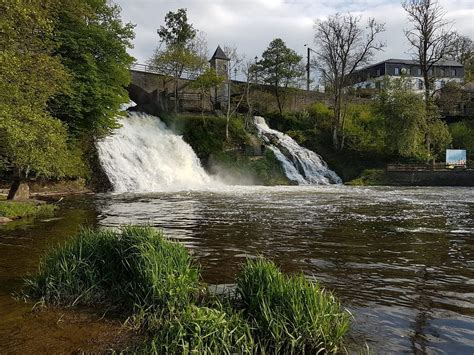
(290, 313)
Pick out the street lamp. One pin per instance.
(308, 65)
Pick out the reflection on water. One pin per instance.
(401, 259)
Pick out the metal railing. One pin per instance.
(424, 167)
(153, 69)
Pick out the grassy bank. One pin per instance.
(371, 177)
(153, 283)
(22, 209)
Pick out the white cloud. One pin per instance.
(252, 24)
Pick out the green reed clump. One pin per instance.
(131, 269)
(290, 313)
(154, 283)
(203, 330)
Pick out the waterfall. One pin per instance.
(143, 155)
(300, 164)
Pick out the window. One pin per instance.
(420, 84)
(378, 72)
(441, 72)
(418, 71)
(453, 72)
(397, 71)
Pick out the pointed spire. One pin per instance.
(219, 54)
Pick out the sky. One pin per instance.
(250, 25)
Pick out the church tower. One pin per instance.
(220, 63)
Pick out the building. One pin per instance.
(220, 63)
(371, 77)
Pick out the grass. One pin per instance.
(290, 314)
(155, 285)
(132, 269)
(22, 209)
(371, 177)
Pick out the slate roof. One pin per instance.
(447, 63)
(219, 54)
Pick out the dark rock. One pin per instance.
(19, 191)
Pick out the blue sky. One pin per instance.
(252, 24)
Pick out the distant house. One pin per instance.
(371, 77)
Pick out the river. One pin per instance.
(400, 259)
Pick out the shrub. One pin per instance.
(290, 313)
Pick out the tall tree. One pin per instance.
(181, 49)
(92, 42)
(463, 52)
(279, 67)
(430, 37)
(32, 142)
(344, 45)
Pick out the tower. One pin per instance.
(220, 63)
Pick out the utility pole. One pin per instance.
(308, 65)
(308, 70)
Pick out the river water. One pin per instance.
(401, 259)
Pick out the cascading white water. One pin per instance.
(300, 164)
(143, 155)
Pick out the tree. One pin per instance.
(205, 82)
(92, 43)
(343, 46)
(32, 142)
(430, 37)
(279, 67)
(235, 65)
(181, 49)
(463, 52)
(412, 131)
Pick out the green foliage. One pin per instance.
(153, 281)
(371, 177)
(241, 169)
(290, 314)
(206, 82)
(405, 118)
(91, 42)
(32, 142)
(204, 330)
(177, 30)
(20, 209)
(365, 131)
(463, 135)
(321, 115)
(132, 269)
(279, 67)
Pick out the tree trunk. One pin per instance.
(19, 191)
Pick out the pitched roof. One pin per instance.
(219, 54)
(444, 63)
